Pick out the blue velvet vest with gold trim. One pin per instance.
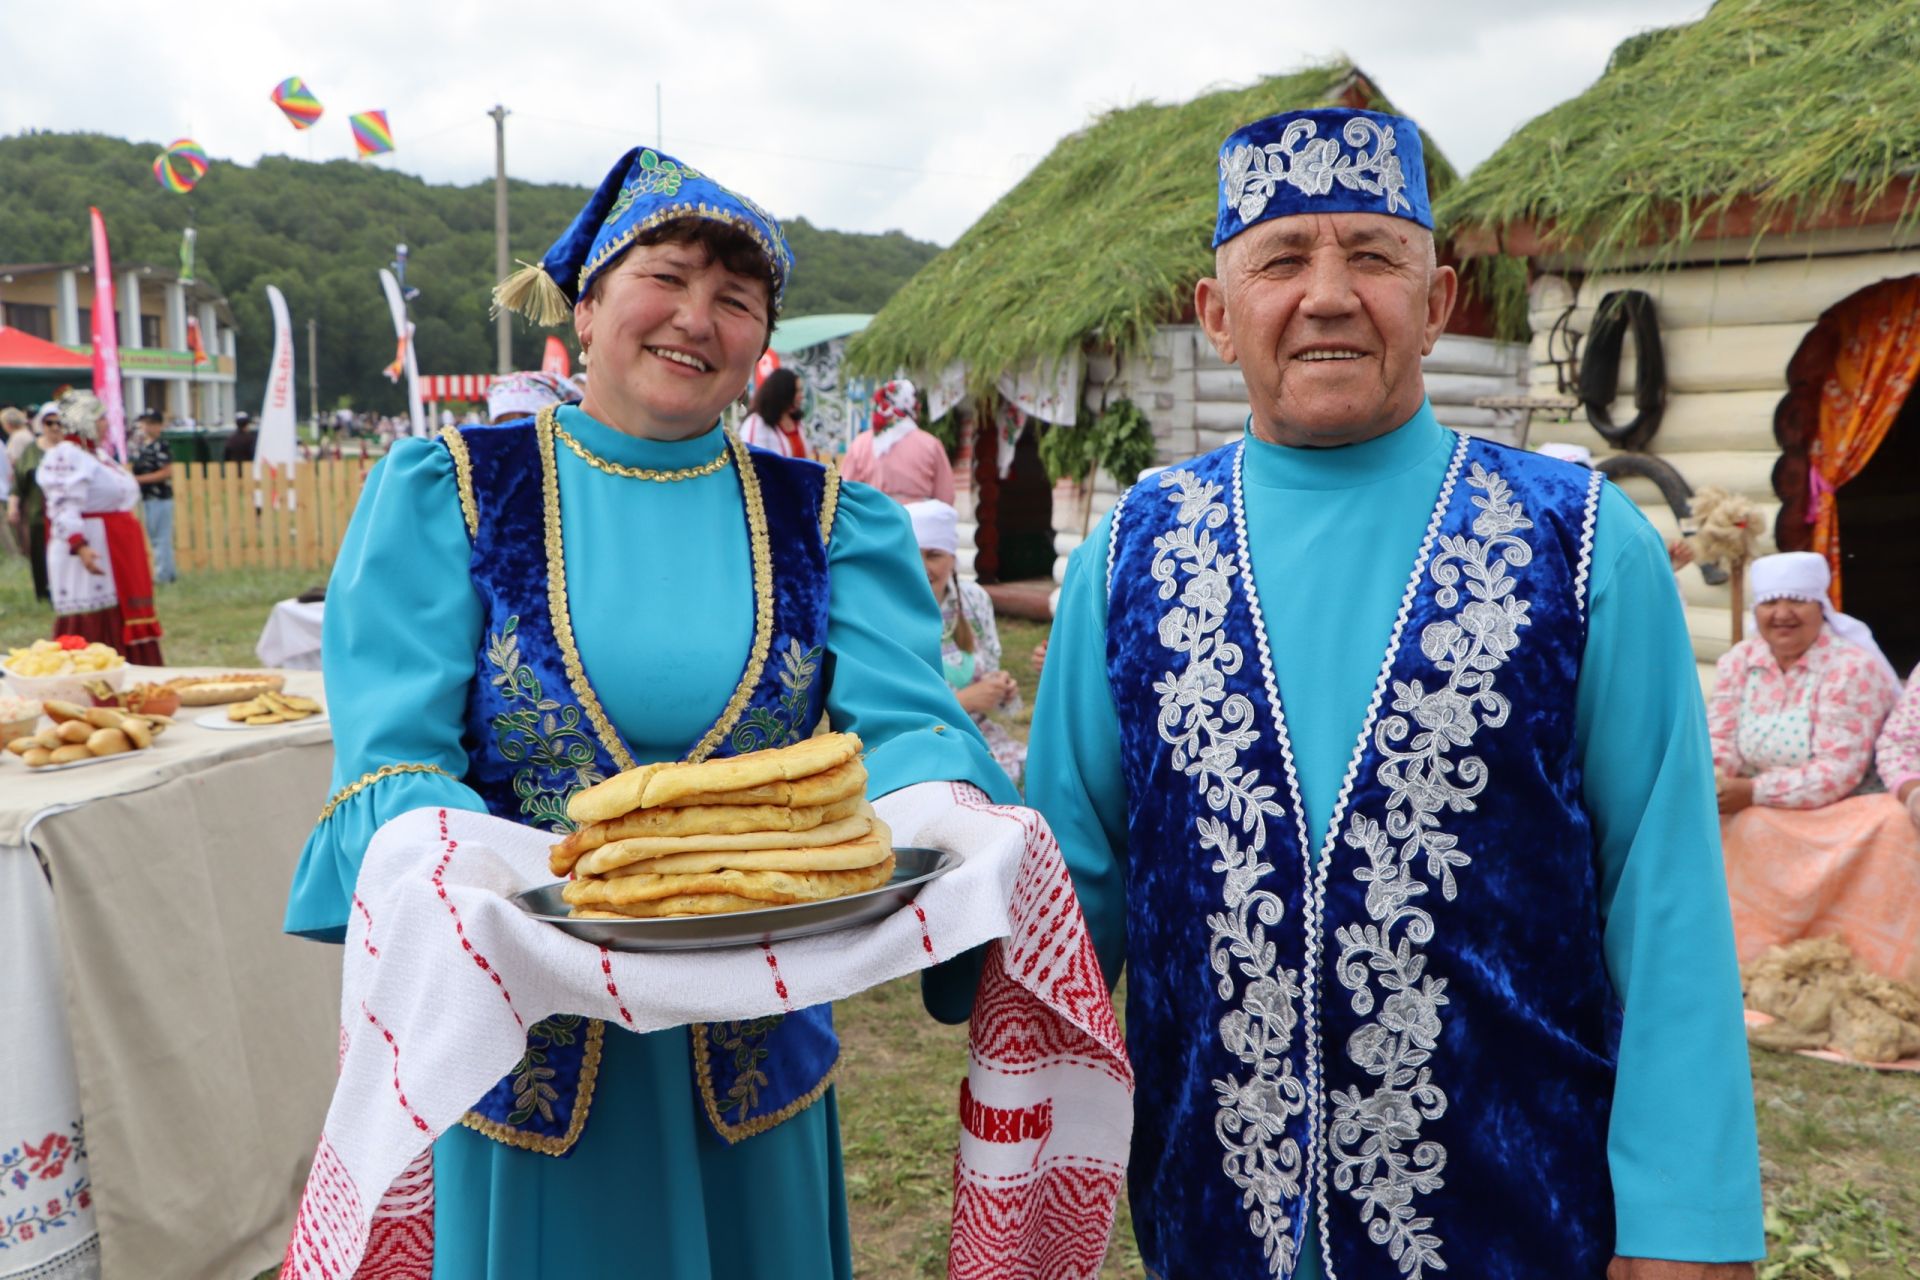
(1402, 1038)
(536, 733)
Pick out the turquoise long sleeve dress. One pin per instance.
(1332, 534)
(662, 606)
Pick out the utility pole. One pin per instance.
(313, 374)
(503, 332)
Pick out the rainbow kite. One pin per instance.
(371, 134)
(297, 102)
(180, 166)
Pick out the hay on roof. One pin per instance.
(1804, 108)
(1101, 243)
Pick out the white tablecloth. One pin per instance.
(146, 990)
(291, 638)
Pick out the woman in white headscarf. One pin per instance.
(969, 637)
(1813, 846)
(97, 557)
(1798, 702)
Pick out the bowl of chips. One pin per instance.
(60, 670)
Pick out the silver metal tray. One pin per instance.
(912, 868)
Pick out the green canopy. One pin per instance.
(797, 333)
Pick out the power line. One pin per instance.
(770, 151)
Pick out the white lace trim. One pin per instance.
(1587, 524)
(1207, 728)
(1368, 1134)
(1317, 901)
(1113, 539)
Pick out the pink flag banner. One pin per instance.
(106, 345)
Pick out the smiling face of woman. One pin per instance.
(1789, 627)
(673, 330)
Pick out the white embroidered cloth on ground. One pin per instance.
(442, 976)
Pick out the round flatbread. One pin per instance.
(771, 887)
(692, 904)
(864, 852)
(844, 782)
(620, 853)
(654, 785)
(698, 820)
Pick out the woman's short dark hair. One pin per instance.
(727, 245)
(779, 393)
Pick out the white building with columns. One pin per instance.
(54, 301)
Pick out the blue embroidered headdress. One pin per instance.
(1328, 160)
(643, 190)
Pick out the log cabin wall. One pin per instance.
(1727, 332)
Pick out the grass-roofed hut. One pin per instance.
(1745, 186)
(1071, 300)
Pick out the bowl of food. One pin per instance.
(60, 670)
(19, 717)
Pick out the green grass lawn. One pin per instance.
(1840, 1146)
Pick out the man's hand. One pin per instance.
(1734, 794)
(1654, 1269)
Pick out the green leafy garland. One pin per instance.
(1118, 438)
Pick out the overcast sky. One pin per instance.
(862, 115)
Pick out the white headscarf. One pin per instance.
(894, 407)
(80, 414)
(525, 394)
(1804, 575)
(936, 526)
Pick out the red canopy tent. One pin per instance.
(34, 369)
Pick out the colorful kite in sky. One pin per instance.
(371, 134)
(297, 102)
(180, 166)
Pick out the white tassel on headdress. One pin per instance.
(533, 293)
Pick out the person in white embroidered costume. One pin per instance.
(969, 635)
(1300, 853)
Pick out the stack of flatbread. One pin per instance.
(769, 828)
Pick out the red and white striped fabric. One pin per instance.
(455, 386)
(1046, 1107)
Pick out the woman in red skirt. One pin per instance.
(97, 563)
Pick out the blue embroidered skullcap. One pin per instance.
(1327, 160)
(643, 190)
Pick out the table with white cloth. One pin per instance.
(168, 1052)
(291, 638)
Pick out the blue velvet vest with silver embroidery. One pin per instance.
(535, 734)
(1401, 1039)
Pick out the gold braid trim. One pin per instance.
(830, 502)
(582, 1100)
(598, 463)
(381, 774)
(557, 598)
(463, 477)
(703, 1072)
(761, 548)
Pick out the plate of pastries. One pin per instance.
(760, 847)
(77, 735)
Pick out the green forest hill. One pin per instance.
(321, 232)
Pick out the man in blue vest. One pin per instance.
(1380, 763)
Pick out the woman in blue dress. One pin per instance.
(519, 610)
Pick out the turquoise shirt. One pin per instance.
(659, 584)
(1333, 534)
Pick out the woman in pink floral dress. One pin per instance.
(1814, 846)
(1898, 754)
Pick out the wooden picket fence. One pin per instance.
(224, 519)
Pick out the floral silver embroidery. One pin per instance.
(1250, 175)
(1380, 1157)
(1207, 727)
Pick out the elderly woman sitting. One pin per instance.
(1813, 846)
(969, 636)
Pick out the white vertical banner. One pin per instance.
(276, 446)
(404, 362)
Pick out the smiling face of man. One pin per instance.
(1328, 316)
